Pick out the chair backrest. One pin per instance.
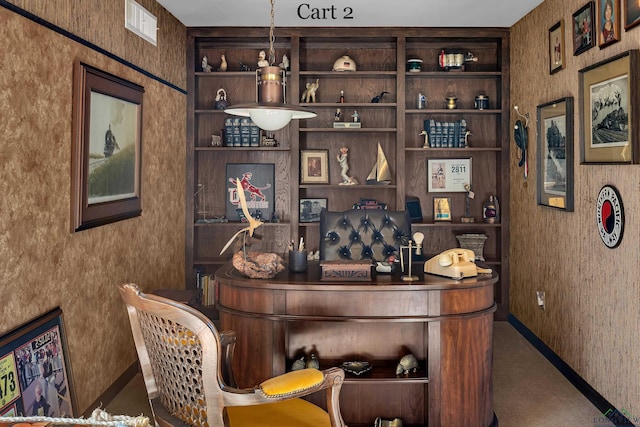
(361, 234)
(180, 356)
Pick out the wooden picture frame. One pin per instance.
(555, 154)
(310, 208)
(631, 14)
(107, 148)
(557, 51)
(608, 96)
(314, 166)
(442, 209)
(608, 22)
(258, 182)
(448, 175)
(35, 370)
(582, 29)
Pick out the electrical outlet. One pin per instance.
(540, 299)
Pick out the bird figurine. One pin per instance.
(313, 363)
(298, 364)
(378, 98)
(253, 223)
(223, 64)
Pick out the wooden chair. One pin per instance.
(186, 364)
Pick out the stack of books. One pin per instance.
(241, 132)
(446, 134)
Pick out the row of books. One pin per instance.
(241, 132)
(446, 134)
(206, 289)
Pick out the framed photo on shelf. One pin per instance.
(583, 24)
(258, 182)
(35, 370)
(442, 208)
(608, 22)
(310, 209)
(555, 154)
(314, 166)
(608, 96)
(107, 143)
(448, 175)
(556, 47)
(631, 13)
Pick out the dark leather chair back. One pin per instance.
(361, 234)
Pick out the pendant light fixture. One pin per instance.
(270, 111)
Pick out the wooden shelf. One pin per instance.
(356, 130)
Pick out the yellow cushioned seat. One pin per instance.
(291, 382)
(287, 413)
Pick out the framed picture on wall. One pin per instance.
(608, 96)
(314, 167)
(556, 47)
(631, 13)
(448, 175)
(583, 34)
(35, 373)
(555, 154)
(608, 22)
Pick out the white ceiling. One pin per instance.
(351, 13)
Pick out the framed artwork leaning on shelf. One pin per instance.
(442, 208)
(448, 175)
(258, 183)
(608, 96)
(555, 154)
(314, 166)
(310, 209)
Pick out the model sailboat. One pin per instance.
(380, 174)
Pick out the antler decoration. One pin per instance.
(253, 223)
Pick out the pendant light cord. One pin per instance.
(272, 39)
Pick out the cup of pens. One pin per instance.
(297, 258)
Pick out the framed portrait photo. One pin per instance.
(448, 175)
(314, 166)
(631, 13)
(608, 22)
(442, 208)
(555, 154)
(583, 33)
(556, 47)
(107, 144)
(608, 96)
(310, 209)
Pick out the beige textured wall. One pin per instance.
(44, 265)
(592, 319)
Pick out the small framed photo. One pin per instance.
(556, 47)
(608, 22)
(314, 165)
(632, 14)
(310, 209)
(442, 208)
(555, 154)
(448, 175)
(608, 96)
(583, 23)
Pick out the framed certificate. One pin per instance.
(448, 175)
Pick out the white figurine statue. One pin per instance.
(205, 65)
(223, 63)
(285, 62)
(344, 167)
(309, 94)
(262, 59)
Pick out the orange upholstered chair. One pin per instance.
(186, 367)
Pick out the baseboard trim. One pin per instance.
(114, 388)
(619, 418)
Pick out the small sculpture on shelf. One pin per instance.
(205, 65)
(223, 64)
(407, 364)
(309, 94)
(298, 364)
(356, 117)
(313, 363)
(262, 59)
(379, 422)
(467, 201)
(285, 62)
(337, 115)
(344, 167)
(244, 67)
(426, 138)
(376, 99)
(221, 99)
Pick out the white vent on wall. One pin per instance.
(140, 21)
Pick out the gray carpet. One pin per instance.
(528, 391)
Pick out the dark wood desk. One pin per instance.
(446, 324)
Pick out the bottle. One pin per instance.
(491, 210)
(341, 97)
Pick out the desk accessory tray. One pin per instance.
(346, 271)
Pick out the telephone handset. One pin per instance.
(455, 263)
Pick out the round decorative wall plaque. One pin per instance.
(610, 216)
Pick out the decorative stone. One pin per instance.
(475, 242)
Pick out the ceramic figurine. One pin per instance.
(313, 362)
(262, 61)
(205, 65)
(379, 422)
(344, 167)
(298, 364)
(223, 63)
(407, 364)
(285, 62)
(309, 94)
(356, 116)
(221, 99)
(376, 99)
(426, 138)
(336, 116)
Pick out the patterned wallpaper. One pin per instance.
(592, 319)
(44, 265)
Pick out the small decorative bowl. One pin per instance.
(414, 65)
(356, 368)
